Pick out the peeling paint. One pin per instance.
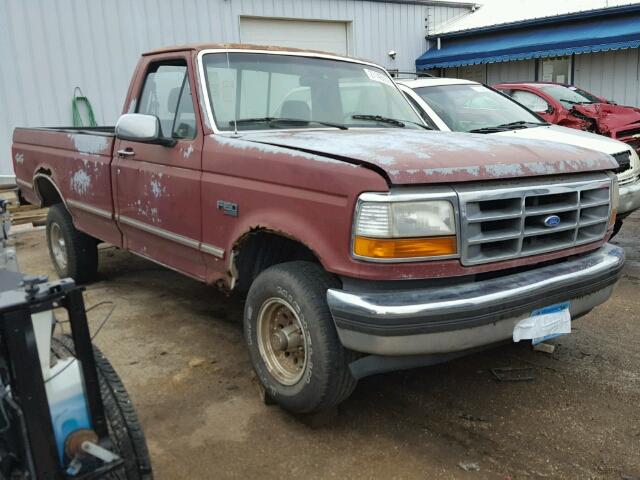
(156, 188)
(19, 157)
(80, 182)
(91, 144)
(413, 156)
(274, 149)
(146, 211)
(500, 170)
(186, 152)
(474, 171)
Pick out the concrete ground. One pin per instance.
(179, 348)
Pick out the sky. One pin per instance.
(493, 12)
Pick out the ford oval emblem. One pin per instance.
(552, 221)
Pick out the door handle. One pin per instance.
(126, 152)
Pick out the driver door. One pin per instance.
(158, 187)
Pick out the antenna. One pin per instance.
(235, 107)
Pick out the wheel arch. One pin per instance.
(261, 247)
(46, 189)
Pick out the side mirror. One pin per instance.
(137, 127)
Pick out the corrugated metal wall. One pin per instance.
(493, 73)
(524, 70)
(48, 47)
(614, 75)
(438, 16)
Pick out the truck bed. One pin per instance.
(75, 162)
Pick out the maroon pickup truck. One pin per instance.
(363, 241)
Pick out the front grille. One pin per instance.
(507, 220)
(624, 161)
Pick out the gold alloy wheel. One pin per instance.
(282, 341)
(58, 246)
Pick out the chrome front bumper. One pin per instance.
(629, 198)
(473, 314)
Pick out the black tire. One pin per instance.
(81, 250)
(124, 427)
(616, 227)
(326, 379)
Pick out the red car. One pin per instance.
(573, 107)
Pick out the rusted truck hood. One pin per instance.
(610, 117)
(415, 157)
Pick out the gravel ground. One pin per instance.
(179, 349)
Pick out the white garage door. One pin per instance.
(312, 35)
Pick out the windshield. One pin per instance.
(255, 91)
(472, 107)
(569, 96)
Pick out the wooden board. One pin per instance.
(36, 216)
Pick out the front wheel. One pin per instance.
(292, 340)
(616, 227)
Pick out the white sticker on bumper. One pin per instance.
(544, 324)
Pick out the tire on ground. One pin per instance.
(123, 424)
(326, 380)
(616, 228)
(81, 249)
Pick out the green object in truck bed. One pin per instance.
(80, 99)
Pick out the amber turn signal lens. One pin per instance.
(612, 219)
(405, 247)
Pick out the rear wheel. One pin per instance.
(292, 340)
(124, 428)
(73, 253)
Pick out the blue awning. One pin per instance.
(555, 38)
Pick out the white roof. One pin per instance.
(434, 82)
(496, 12)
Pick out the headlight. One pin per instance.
(387, 230)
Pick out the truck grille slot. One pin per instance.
(624, 161)
(527, 218)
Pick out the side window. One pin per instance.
(530, 100)
(184, 125)
(167, 95)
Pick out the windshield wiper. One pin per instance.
(588, 102)
(300, 121)
(379, 118)
(426, 127)
(508, 126)
(392, 121)
(522, 123)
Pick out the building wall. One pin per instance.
(524, 70)
(614, 75)
(492, 73)
(48, 47)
